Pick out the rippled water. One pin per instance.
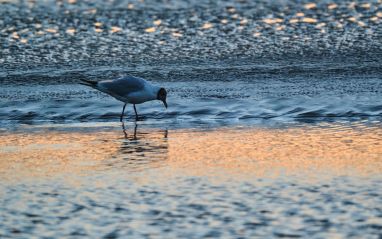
(241, 154)
(104, 181)
(197, 99)
(273, 127)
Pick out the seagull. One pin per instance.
(129, 89)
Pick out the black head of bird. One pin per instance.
(162, 94)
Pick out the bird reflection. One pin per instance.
(134, 135)
(125, 132)
(142, 149)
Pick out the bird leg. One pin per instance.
(123, 111)
(136, 114)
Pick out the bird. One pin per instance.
(129, 89)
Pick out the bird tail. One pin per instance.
(88, 83)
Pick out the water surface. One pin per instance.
(230, 182)
(273, 127)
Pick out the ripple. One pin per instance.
(264, 101)
(273, 127)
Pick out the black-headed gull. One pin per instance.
(129, 89)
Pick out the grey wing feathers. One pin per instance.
(123, 86)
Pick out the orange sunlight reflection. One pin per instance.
(277, 152)
(256, 152)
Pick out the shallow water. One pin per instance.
(317, 180)
(243, 98)
(244, 154)
(273, 127)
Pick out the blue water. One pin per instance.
(237, 98)
(69, 169)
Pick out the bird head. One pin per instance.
(162, 94)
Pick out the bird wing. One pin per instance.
(122, 86)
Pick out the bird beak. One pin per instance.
(165, 103)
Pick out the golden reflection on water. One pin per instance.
(257, 152)
(275, 152)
